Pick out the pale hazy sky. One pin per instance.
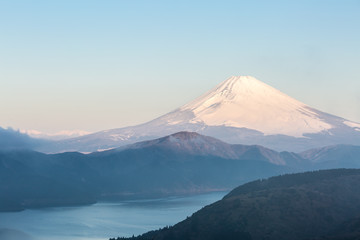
(95, 65)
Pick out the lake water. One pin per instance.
(105, 220)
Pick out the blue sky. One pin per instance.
(95, 65)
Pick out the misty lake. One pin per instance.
(105, 220)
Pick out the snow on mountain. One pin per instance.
(240, 110)
(354, 125)
(245, 102)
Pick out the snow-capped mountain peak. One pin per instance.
(245, 102)
(241, 110)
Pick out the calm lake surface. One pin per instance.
(105, 220)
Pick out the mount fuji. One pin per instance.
(240, 110)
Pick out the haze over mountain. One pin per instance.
(335, 156)
(182, 163)
(241, 110)
(11, 139)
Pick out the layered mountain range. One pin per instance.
(240, 110)
(178, 164)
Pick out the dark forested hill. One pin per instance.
(314, 205)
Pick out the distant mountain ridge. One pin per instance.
(182, 163)
(197, 144)
(240, 110)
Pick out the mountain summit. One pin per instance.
(245, 102)
(241, 110)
